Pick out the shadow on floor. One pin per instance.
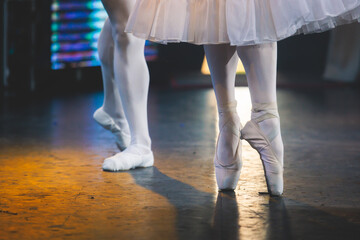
(199, 216)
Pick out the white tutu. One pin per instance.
(238, 22)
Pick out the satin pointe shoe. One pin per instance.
(227, 159)
(107, 122)
(269, 146)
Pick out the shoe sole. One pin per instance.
(230, 181)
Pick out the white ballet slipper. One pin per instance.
(106, 121)
(272, 162)
(128, 159)
(228, 162)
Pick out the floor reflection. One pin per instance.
(279, 226)
(194, 208)
(290, 219)
(197, 216)
(240, 215)
(226, 216)
(52, 185)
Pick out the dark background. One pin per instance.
(30, 69)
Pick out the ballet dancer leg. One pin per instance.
(132, 80)
(263, 131)
(222, 60)
(111, 115)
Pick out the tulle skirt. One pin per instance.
(238, 22)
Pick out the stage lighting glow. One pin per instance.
(206, 71)
(76, 27)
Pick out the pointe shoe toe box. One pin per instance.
(275, 183)
(227, 179)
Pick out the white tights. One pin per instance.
(125, 75)
(260, 65)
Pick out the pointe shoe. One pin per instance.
(227, 162)
(107, 122)
(129, 159)
(272, 162)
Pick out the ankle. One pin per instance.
(229, 118)
(144, 142)
(229, 107)
(118, 118)
(138, 148)
(123, 125)
(262, 111)
(228, 113)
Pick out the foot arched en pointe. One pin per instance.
(263, 134)
(227, 160)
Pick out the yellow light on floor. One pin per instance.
(205, 68)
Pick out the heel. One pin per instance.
(148, 160)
